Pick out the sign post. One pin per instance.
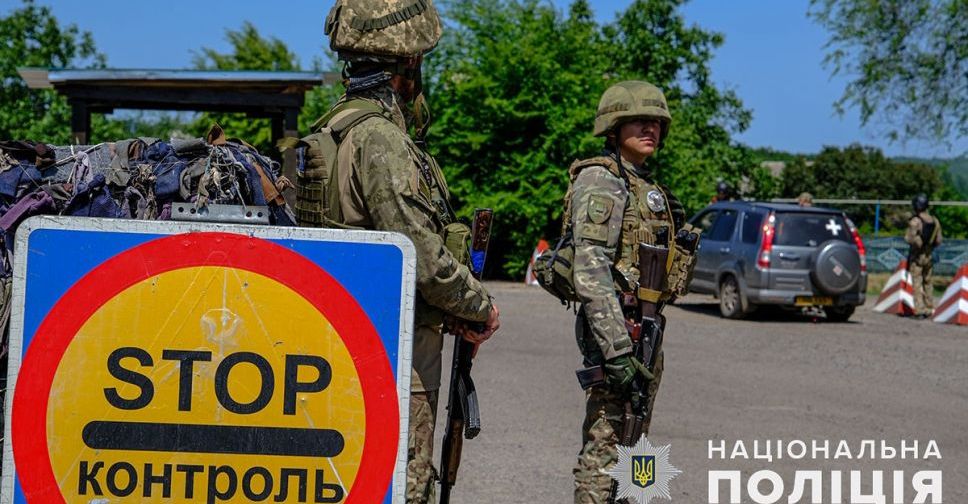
(168, 361)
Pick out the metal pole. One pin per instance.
(877, 217)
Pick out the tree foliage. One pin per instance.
(858, 172)
(908, 61)
(515, 87)
(32, 37)
(252, 51)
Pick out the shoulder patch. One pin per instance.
(599, 208)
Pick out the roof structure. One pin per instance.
(274, 95)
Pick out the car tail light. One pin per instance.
(860, 245)
(766, 246)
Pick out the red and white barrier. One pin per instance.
(529, 277)
(953, 307)
(898, 293)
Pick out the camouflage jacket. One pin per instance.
(915, 234)
(392, 185)
(607, 225)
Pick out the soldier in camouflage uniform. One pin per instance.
(923, 234)
(612, 206)
(387, 181)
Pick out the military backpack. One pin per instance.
(318, 192)
(317, 177)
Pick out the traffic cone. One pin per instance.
(898, 293)
(953, 307)
(529, 277)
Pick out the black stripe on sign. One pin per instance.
(235, 439)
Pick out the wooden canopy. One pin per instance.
(275, 95)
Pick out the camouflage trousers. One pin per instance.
(920, 269)
(421, 476)
(604, 409)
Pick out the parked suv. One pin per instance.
(776, 254)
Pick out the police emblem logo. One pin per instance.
(656, 201)
(643, 472)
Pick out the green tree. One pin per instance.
(515, 84)
(954, 220)
(250, 51)
(858, 172)
(32, 37)
(906, 60)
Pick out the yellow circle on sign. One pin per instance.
(222, 312)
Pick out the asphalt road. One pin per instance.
(775, 377)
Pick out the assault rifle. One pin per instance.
(463, 410)
(646, 330)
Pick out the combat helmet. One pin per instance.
(628, 100)
(920, 202)
(382, 30)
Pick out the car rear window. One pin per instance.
(809, 229)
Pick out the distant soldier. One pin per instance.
(805, 199)
(615, 203)
(723, 192)
(924, 235)
(363, 170)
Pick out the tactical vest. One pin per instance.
(929, 233)
(645, 215)
(318, 193)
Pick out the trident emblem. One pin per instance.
(643, 470)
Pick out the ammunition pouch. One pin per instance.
(456, 237)
(554, 269)
(681, 273)
(313, 198)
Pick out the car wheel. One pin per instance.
(730, 299)
(839, 313)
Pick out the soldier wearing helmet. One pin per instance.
(924, 235)
(386, 180)
(723, 192)
(613, 204)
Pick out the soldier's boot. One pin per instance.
(421, 475)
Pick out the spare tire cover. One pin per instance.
(837, 267)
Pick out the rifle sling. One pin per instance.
(649, 295)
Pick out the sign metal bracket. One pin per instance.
(233, 214)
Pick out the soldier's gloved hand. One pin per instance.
(621, 370)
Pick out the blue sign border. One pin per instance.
(376, 268)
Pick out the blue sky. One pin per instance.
(772, 56)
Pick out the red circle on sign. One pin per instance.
(158, 256)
